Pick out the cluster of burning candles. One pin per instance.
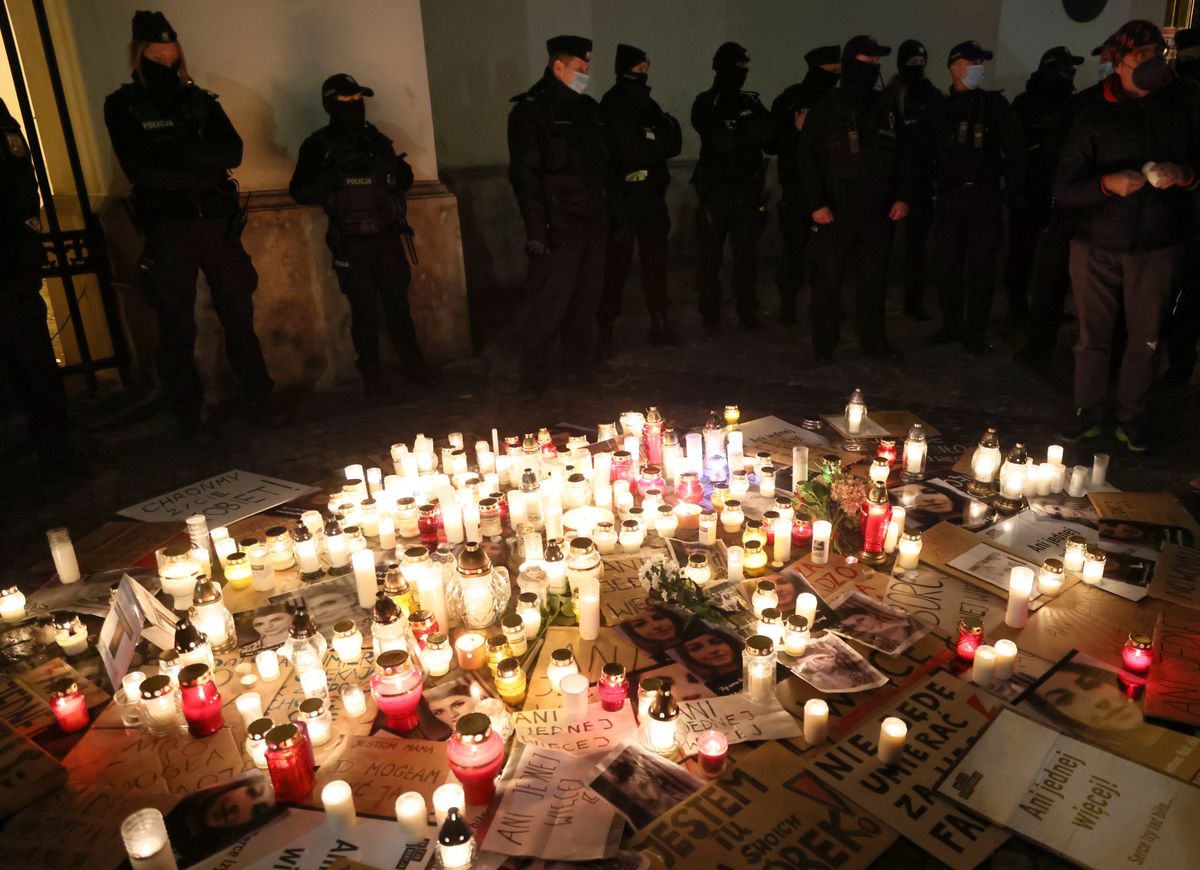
(608, 502)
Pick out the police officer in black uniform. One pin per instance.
(788, 113)
(735, 130)
(917, 100)
(351, 169)
(558, 169)
(641, 139)
(176, 145)
(857, 179)
(980, 159)
(26, 352)
(1044, 112)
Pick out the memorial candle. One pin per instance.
(12, 604)
(62, 551)
(892, 735)
(713, 747)
(1020, 590)
(338, 800)
(396, 686)
(267, 663)
(588, 607)
(1093, 566)
(354, 702)
(910, 551)
(471, 649)
(816, 721)
(1050, 577)
(574, 689)
(806, 606)
(613, 687)
(1099, 470)
(68, 704)
(1006, 659)
(476, 754)
(795, 635)
(1075, 554)
(447, 797)
(412, 816)
(249, 707)
(970, 637)
(895, 530)
(1138, 653)
(822, 530)
(983, 671)
(145, 836)
(289, 762)
(758, 664)
(511, 683)
(782, 545)
(456, 843)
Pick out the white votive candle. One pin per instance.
(1045, 477)
(983, 671)
(733, 563)
(909, 556)
(574, 689)
(387, 532)
(822, 531)
(1020, 589)
(1099, 469)
(1054, 454)
(1006, 659)
(470, 515)
(589, 607)
(892, 734)
(799, 465)
(413, 816)
(249, 707)
(354, 702)
(363, 563)
(267, 663)
(1077, 488)
(782, 545)
(132, 684)
(894, 530)
(145, 835)
(314, 683)
(62, 551)
(806, 606)
(338, 799)
(446, 796)
(816, 721)
(1093, 566)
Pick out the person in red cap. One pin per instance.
(857, 177)
(177, 147)
(1129, 168)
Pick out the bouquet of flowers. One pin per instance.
(666, 583)
(832, 495)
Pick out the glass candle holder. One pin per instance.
(732, 516)
(739, 483)
(530, 610)
(429, 523)
(1050, 577)
(513, 627)
(192, 645)
(279, 543)
(690, 489)
(396, 686)
(795, 635)
(707, 526)
(698, 570)
(68, 704)
(290, 763)
(256, 741)
(262, 568)
(318, 721)
(354, 702)
(421, 625)
(712, 747)
(604, 536)
(178, 573)
(1093, 566)
(985, 463)
(753, 530)
(201, 700)
(1138, 653)
(476, 754)
(874, 517)
(758, 669)
(915, 450)
(659, 728)
(210, 615)
(632, 536)
(666, 523)
(1075, 554)
(909, 556)
(144, 834)
(720, 494)
(347, 640)
(970, 638)
(12, 604)
(765, 595)
(455, 842)
(510, 682)
(160, 713)
(437, 654)
(562, 663)
(70, 633)
(305, 548)
(471, 650)
(613, 687)
(497, 651)
(770, 624)
(879, 470)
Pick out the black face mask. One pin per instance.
(731, 79)
(640, 78)
(158, 77)
(1151, 74)
(859, 75)
(352, 113)
(912, 75)
(822, 78)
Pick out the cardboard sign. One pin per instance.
(137, 761)
(222, 498)
(590, 655)
(621, 592)
(1085, 618)
(898, 423)
(944, 718)
(26, 771)
(735, 716)
(832, 578)
(25, 699)
(867, 430)
(1158, 508)
(766, 812)
(1177, 576)
(1076, 800)
(778, 437)
(1173, 684)
(599, 731)
(546, 809)
(380, 768)
(940, 600)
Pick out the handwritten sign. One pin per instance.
(1177, 576)
(940, 601)
(621, 592)
(590, 655)
(222, 498)
(26, 771)
(1085, 618)
(380, 768)
(944, 718)
(598, 731)
(546, 809)
(765, 812)
(1173, 684)
(134, 760)
(737, 718)
(1157, 508)
(1075, 799)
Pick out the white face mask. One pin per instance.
(973, 77)
(579, 82)
(1106, 69)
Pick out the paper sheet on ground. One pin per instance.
(737, 718)
(222, 498)
(598, 731)
(1177, 576)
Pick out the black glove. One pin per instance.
(536, 248)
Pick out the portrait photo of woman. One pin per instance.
(928, 504)
(263, 628)
(653, 630)
(713, 656)
(207, 821)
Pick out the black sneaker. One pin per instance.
(1135, 435)
(1083, 423)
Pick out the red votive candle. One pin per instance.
(970, 636)
(476, 754)
(200, 700)
(422, 624)
(396, 685)
(887, 450)
(289, 763)
(1138, 653)
(713, 748)
(429, 522)
(613, 687)
(68, 704)
(801, 533)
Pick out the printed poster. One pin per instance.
(944, 718)
(1077, 800)
(640, 784)
(767, 811)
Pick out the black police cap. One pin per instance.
(912, 53)
(970, 51)
(864, 44)
(572, 46)
(343, 85)
(823, 55)
(628, 56)
(1060, 55)
(152, 27)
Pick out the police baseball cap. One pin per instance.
(1059, 56)
(343, 85)
(970, 51)
(152, 27)
(864, 44)
(824, 54)
(911, 53)
(572, 46)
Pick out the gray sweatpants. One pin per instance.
(1100, 280)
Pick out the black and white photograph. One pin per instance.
(714, 656)
(990, 565)
(829, 664)
(873, 623)
(641, 785)
(209, 820)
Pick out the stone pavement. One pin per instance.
(766, 372)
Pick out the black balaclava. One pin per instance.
(629, 56)
(349, 113)
(730, 75)
(822, 79)
(858, 75)
(159, 77)
(911, 60)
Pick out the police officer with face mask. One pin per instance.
(789, 112)
(735, 131)
(917, 101)
(980, 157)
(641, 139)
(176, 145)
(351, 169)
(558, 165)
(857, 178)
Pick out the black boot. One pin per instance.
(661, 334)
